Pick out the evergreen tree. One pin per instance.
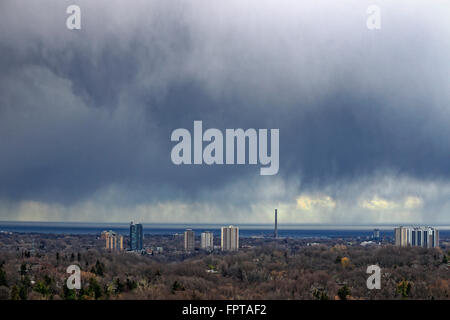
(99, 268)
(15, 293)
(69, 294)
(3, 280)
(119, 286)
(343, 292)
(23, 293)
(94, 288)
(23, 269)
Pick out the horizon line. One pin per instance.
(186, 224)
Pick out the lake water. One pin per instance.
(245, 230)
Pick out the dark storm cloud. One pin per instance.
(84, 110)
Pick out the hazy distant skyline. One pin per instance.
(364, 116)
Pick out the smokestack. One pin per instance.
(276, 224)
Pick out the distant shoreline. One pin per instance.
(245, 230)
(243, 226)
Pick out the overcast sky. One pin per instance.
(86, 115)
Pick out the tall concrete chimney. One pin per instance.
(276, 224)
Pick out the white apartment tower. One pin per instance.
(425, 237)
(207, 241)
(230, 238)
(189, 240)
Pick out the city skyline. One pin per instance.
(404, 236)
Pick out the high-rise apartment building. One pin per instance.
(136, 237)
(189, 240)
(113, 241)
(425, 237)
(229, 238)
(402, 236)
(207, 241)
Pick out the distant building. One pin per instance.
(136, 237)
(376, 234)
(153, 251)
(207, 241)
(425, 237)
(401, 236)
(229, 238)
(113, 241)
(104, 234)
(189, 240)
(367, 243)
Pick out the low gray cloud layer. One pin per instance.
(86, 116)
